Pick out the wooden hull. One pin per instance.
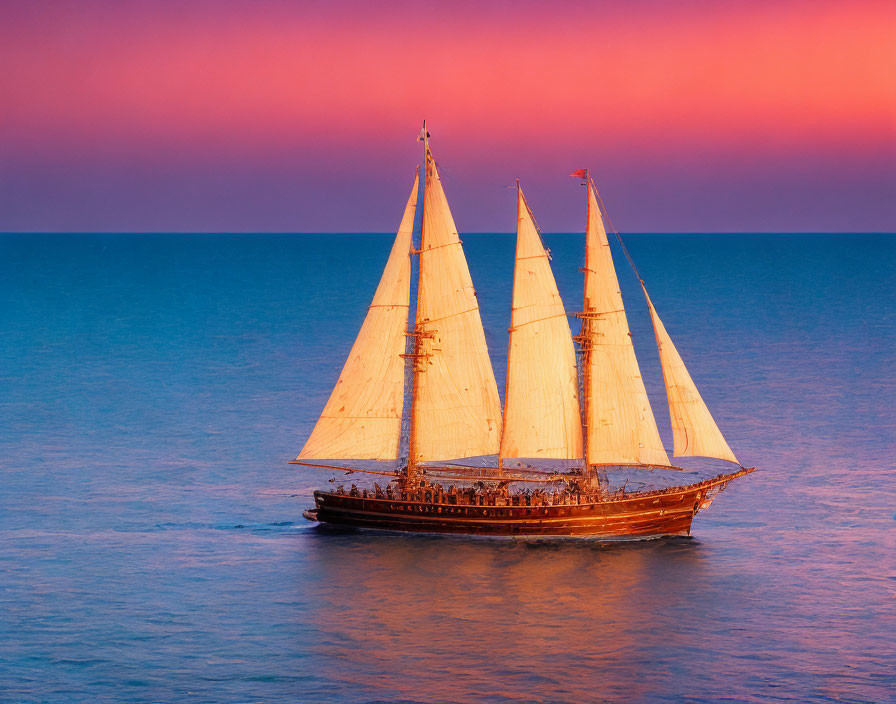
(637, 516)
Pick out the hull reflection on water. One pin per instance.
(569, 618)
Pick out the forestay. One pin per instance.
(362, 419)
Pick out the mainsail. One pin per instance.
(362, 419)
(541, 404)
(455, 412)
(620, 425)
(693, 428)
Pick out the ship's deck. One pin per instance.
(494, 510)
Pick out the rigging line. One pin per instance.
(427, 321)
(342, 469)
(361, 417)
(613, 229)
(547, 252)
(537, 320)
(439, 246)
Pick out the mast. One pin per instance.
(584, 338)
(519, 215)
(417, 330)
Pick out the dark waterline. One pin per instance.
(152, 387)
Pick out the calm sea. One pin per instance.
(151, 541)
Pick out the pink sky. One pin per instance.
(264, 116)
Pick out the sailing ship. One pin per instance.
(420, 394)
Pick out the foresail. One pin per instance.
(456, 411)
(541, 404)
(693, 428)
(362, 419)
(620, 424)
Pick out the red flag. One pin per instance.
(581, 173)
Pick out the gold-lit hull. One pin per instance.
(655, 514)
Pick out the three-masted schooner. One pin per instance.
(573, 421)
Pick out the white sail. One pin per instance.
(456, 411)
(620, 425)
(693, 428)
(541, 404)
(362, 419)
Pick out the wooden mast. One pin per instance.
(416, 333)
(584, 338)
(519, 214)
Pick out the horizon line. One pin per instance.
(470, 232)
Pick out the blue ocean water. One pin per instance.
(151, 541)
